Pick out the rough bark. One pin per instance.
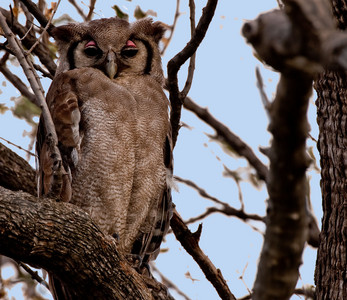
(331, 265)
(62, 239)
(330, 274)
(10, 166)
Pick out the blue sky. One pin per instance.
(225, 82)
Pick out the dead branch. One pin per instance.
(297, 41)
(191, 67)
(28, 39)
(179, 59)
(172, 28)
(190, 242)
(36, 12)
(79, 10)
(17, 83)
(240, 147)
(91, 10)
(38, 91)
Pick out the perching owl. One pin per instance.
(111, 116)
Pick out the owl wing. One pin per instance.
(147, 245)
(62, 102)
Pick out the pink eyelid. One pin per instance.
(130, 44)
(90, 44)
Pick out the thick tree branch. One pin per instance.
(180, 58)
(229, 137)
(62, 239)
(15, 173)
(298, 44)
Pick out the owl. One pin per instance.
(111, 117)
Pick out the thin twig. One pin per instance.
(229, 137)
(17, 83)
(79, 10)
(179, 59)
(45, 29)
(36, 12)
(91, 10)
(260, 86)
(34, 275)
(19, 147)
(200, 190)
(168, 283)
(172, 28)
(43, 71)
(191, 67)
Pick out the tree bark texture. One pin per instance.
(62, 239)
(330, 274)
(331, 87)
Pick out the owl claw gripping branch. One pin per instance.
(111, 117)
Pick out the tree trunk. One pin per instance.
(331, 87)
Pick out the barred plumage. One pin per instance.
(111, 117)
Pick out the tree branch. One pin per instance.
(229, 137)
(62, 239)
(28, 39)
(297, 44)
(190, 242)
(35, 83)
(179, 59)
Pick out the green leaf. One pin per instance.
(24, 109)
(120, 14)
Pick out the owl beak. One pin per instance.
(111, 65)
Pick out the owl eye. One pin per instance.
(91, 49)
(129, 50)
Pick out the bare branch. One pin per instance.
(17, 83)
(91, 10)
(34, 275)
(201, 191)
(190, 242)
(260, 86)
(287, 219)
(36, 12)
(230, 138)
(179, 59)
(41, 50)
(44, 29)
(172, 27)
(191, 67)
(168, 283)
(79, 10)
(38, 91)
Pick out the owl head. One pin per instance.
(113, 45)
